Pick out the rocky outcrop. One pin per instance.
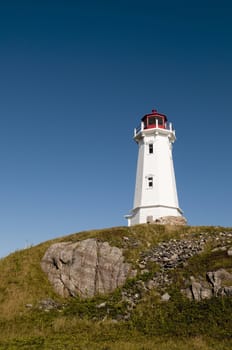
(174, 252)
(170, 220)
(216, 283)
(90, 267)
(85, 268)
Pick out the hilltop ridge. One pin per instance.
(182, 287)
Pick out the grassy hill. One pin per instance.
(81, 324)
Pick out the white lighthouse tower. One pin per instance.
(155, 189)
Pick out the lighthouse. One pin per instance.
(155, 189)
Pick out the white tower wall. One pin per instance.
(155, 188)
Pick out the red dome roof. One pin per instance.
(154, 113)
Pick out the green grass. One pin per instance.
(71, 333)
(80, 324)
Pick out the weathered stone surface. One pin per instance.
(217, 283)
(170, 220)
(85, 268)
(196, 289)
(206, 293)
(219, 279)
(199, 290)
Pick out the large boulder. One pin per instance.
(85, 268)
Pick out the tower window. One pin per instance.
(150, 148)
(150, 181)
(152, 120)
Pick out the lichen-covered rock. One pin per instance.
(85, 268)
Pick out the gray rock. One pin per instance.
(173, 253)
(206, 293)
(102, 305)
(196, 289)
(165, 297)
(170, 220)
(229, 251)
(151, 284)
(218, 283)
(227, 291)
(85, 268)
(218, 278)
(142, 265)
(48, 304)
(174, 257)
(219, 249)
(188, 293)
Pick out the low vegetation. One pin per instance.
(86, 324)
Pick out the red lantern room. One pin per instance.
(154, 120)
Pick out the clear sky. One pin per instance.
(75, 79)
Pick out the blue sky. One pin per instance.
(75, 79)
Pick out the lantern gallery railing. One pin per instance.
(168, 126)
